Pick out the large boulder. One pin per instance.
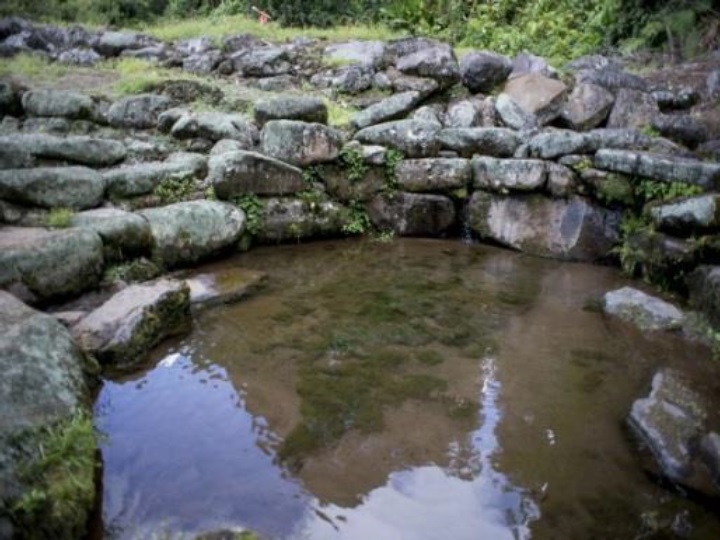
(503, 175)
(413, 138)
(53, 187)
(466, 113)
(58, 103)
(633, 109)
(570, 229)
(482, 71)
(691, 215)
(513, 114)
(659, 167)
(437, 63)
(202, 63)
(186, 232)
(238, 173)
(142, 178)
(369, 53)
(132, 321)
(124, 235)
(499, 142)
(560, 142)
(85, 150)
(294, 219)
(433, 174)
(40, 265)
(391, 108)
(42, 386)
(671, 421)
(111, 43)
(214, 126)
(300, 143)
(644, 311)
(412, 214)
(683, 128)
(262, 61)
(137, 111)
(304, 108)
(587, 106)
(537, 95)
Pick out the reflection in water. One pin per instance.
(469, 500)
(518, 435)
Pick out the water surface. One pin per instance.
(419, 389)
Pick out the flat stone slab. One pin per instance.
(143, 178)
(498, 142)
(225, 286)
(504, 175)
(41, 264)
(413, 138)
(391, 108)
(433, 174)
(644, 311)
(124, 234)
(213, 126)
(412, 214)
(81, 149)
(300, 143)
(694, 214)
(660, 167)
(131, 322)
(303, 108)
(51, 102)
(53, 187)
(239, 173)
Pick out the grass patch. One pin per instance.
(339, 114)
(218, 27)
(59, 218)
(61, 483)
(35, 67)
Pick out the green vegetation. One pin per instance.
(132, 271)
(359, 221)
(339, 113)
(647, 190)
(392, 159)
(631, 257)
(254, 212)
(59, 218)
(171, 190)
(61, 480)
(352, 161)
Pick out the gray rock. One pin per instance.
(300, 143)
(632, 109)
(262, 61)
(226, 286)
(166, 120)
(569, 229)
(189, 91)
(14, 155)
(525, 63)
(278, 83)
(587, 107)
(429, 113)
(392, 108)
(397, 48)
(704, 291)
(691, 215)
(498, 142)
(240, 42)
(153, 53)
(710, 454)
(412, 214)
(359, 188)
(113, 43)
(466, 113)
(51, 125)
(79, 57)
(124, 235)
(137, 111)
(53, 187)
(665, 168)
(437, 63)
(202, 63)
(304, 108)
(188, 47)
(215, 126)
(644, 311)
(423, 85)
(482, 71)
(512, 113)
(413, 138)
(132, 321)
(10, 101)
(369, 53)
(293, 219)
(143, 178)
(537, 95)
(239, 173)
(39, 264)
(352, 79)
(503, 175)
(710, 150)
(670, 421)
(612, 79)
(42, 385)
(557, 142)
(187, 232)
(433, 174)
(712, 83)
(591, 62)
(561, 180)
(226, 145)
(683, 128)
(81, 149)
(58, 103)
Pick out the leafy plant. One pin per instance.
(647, 190)
(254, 212)
(392, 159)
(312, 199)
(353, 163)
(631, 258)
(359, 221)
(59, 218)
(171, 190)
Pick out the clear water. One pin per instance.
(449, 391)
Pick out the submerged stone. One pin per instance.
(645, 311)
(225, 286)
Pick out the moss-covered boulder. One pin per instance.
(123, 329)
(81, 149)
(47, 443)
(124, 234)
(53, 187)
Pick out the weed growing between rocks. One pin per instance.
(359, 222)
(59, 218)
(172, 190)
(61, 479)
(254, 212)
(392, 160)
(352, 161)
(132, 271)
